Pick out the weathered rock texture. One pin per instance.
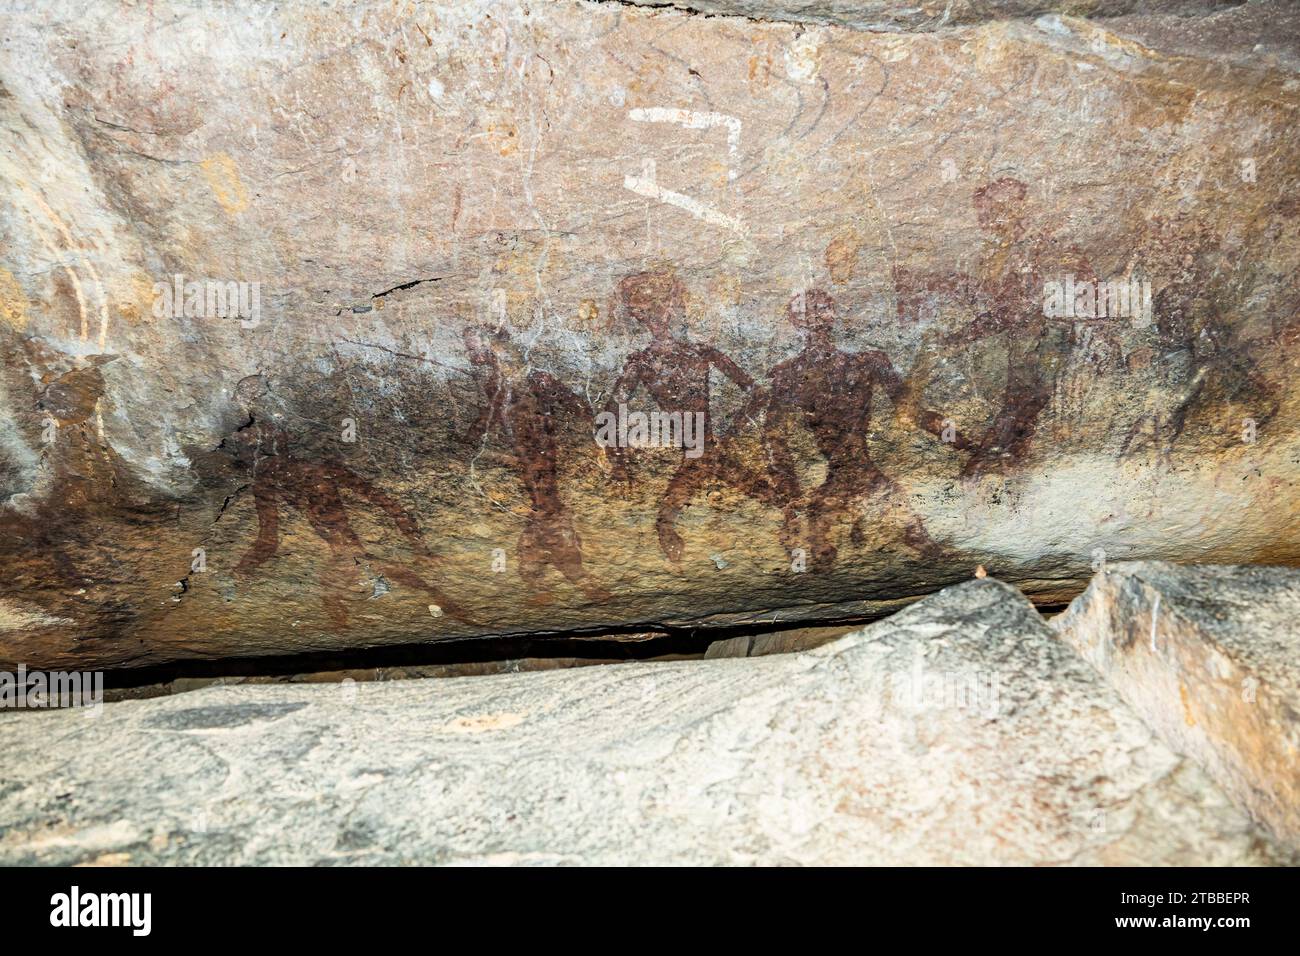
(907, 15)
(834, 243)
(1209, 657)
(960, 731)
(776, 642)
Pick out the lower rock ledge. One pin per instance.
(1210, 658)
(959, 731)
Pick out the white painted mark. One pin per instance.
(647, 183)
(691, 119)
(652, 190)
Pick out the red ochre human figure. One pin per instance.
(1007, 298)
(829, 392)
(523, 405)
(1198, 354)
(315, 489)
(78, 471)
(675, 374)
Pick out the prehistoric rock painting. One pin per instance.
(828, 392)
(523, 406)
(675, 374)
(315, 489)
(81, 467)
(1198, 357)
(78, 471)
(1006, 298)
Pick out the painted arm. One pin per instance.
(268, 530)
(728, 368)
(561, 396)
(757, 394)
(780, 460)
(911, 287)
(900, 393)
(625, 385)
(623, 389)
(345, 479)
(487, 412)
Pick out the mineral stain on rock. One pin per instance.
(222, 717)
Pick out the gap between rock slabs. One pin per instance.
(511, 653)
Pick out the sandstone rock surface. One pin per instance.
(959, 731)
(906, 15)
(473, 227)
(776, 642)
(1210, 658)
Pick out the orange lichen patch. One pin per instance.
(588, 313)
(842, 256)
(482, 723)
(135, 297)
(13, 302)
(1188, 718)
(719, 173)
(725, 289)
(223, 179)
(761, 62)
(504, 136)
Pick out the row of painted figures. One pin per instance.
(823, 389)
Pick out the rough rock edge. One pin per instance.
(910, 17)
(1126, 599)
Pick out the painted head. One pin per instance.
(73, 396)
(812, 312)
(250, 392)
(654, 299)
(260, 435)
(492, 347)
(999, 206)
